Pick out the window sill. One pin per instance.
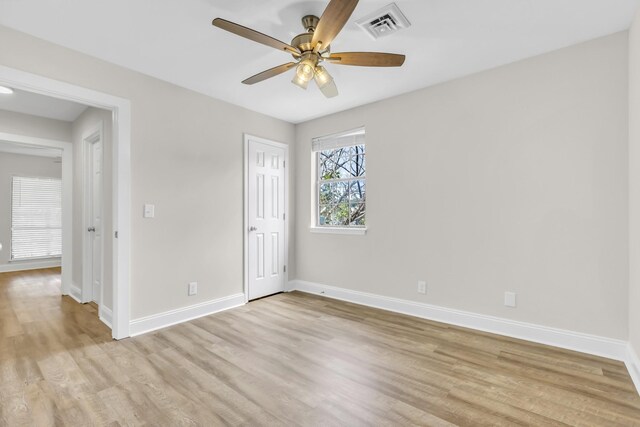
(339, 230)
(41, 258)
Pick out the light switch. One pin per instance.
(193, 288)
(149, 211)
(510, 299)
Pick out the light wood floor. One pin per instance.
(292, 359)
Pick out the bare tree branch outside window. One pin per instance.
(341, 187)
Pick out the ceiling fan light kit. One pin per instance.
(303, 84)
(306, 67)
(312, 48)
(325, 82)
(322, 76)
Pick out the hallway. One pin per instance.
(36, 321)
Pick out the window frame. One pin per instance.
(11, 196)
(336, 229)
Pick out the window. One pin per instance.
(341, 180)
(36, 218)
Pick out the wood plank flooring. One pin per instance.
(292, 359)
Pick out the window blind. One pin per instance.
(338, 140)
(36, 217)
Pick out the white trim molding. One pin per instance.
(94, 135)
(245, 237)
(105, 314)
(577, 341)
(67, 195)
(633, 366)
(75, 292)
(31, 265)
(146, 324)
(339, 230)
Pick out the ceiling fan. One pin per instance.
(312, 48)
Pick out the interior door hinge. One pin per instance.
(116, 234)
(284, 216)
(284, 164)
(285, 268)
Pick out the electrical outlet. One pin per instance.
(149, 211)
(193, 288)
(510, 299)
(422, 287)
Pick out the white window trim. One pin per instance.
(339, 230)
(35, 258)
(315, 208)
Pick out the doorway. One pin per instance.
(93, 253)
(266, 223)
(57, 151)
(120, 182)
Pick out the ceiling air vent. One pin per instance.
(384, 22)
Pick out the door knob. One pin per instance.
(91, 229)
(253, 228)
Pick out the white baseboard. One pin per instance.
(290, 285)
(29, 265)
(75, 293)
(162, 320)
(106, 315)
(577, 341)
(633, 365)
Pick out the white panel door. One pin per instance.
(266, 219)
(96, 219)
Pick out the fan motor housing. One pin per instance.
(303, 42)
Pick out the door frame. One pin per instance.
(245, 223)
(121, 176)
(66, 149)
(93, 136)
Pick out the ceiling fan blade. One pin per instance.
(367, 59)
(332, 20)
(271, 72)
(254, 35)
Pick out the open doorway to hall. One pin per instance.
(31, 196)
(55, 199)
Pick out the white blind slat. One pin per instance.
(36, 217)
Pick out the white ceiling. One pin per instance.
(175, 41)
(40, 105)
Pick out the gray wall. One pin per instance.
(39, 127)
(634, 184)
(514, 179)
(186, 158)
(511, 179)
(22, 165)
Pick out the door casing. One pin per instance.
(285, 147)
(93, 136)
(121, 181)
